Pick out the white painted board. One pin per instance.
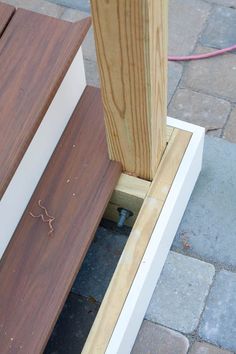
(145, 281)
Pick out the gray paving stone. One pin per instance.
(73, 326)
(183, 14)
(82, 5)
(40, 6)
(205, 348)
(88, 45)
(155, 339)
(175, 71)
(73, 15)
(180, 294)
(221, 29)
(200, 109)
(218, 324)
(209, 223)
(99, 264)
(91, 71)
(229, 3)
(186, 21)
(230, 129)
(217, 133)
(216, 76)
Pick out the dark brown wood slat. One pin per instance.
(38, 268)
(35, 54)
(6, 13)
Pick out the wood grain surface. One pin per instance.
(130, 193)
(35, 54)
(136, 245)
(131, 43)
(6, 13)
(39, 267)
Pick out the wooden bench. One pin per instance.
(42, 80)
(56, 177)
(50, 242)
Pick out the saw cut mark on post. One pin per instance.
(131, 44)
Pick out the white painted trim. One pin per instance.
(140, 294)
(32, 166)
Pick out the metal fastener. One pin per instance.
(124, 214)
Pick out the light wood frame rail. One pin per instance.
(130, 290)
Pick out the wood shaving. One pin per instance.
(45, 209)
(48, 221)
(39, 216)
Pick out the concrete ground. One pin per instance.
(193, 308)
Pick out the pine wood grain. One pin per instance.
(38, 268)
(6, 13)
(130, 193)
(131, 43)
(35, 54)
(136, 245)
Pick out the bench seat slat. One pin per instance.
(36, 51)
(6, 13)
(38, 267)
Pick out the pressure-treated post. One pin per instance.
(131, 44)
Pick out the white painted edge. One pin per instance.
(36, 157)
(141, 291)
